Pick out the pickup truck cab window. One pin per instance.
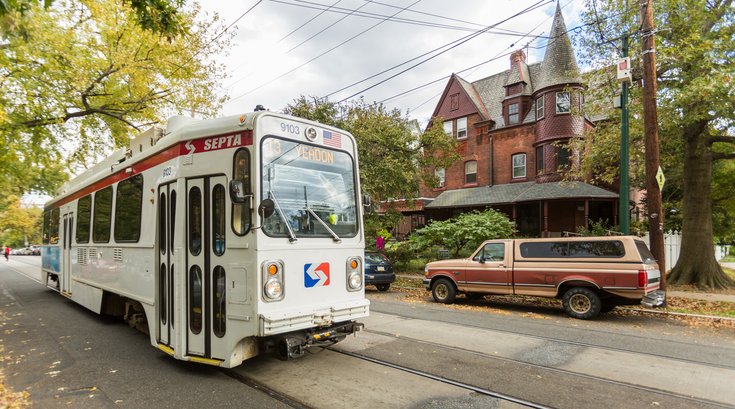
(491, 252)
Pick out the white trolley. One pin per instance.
(222, 239)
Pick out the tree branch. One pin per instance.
(722, 156)
(725, 139)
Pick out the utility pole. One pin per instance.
(650, 123)
(624, 194)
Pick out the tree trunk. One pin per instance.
(697, 264)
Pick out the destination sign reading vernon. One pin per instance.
(215, 143)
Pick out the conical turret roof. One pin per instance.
(560, 65)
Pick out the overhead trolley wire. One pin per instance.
(320, 55)
(458, 43)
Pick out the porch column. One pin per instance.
(586, 213)
(615, 215)
(546, 219)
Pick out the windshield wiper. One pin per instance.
(335, 237)
(292, 237)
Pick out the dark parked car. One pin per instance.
(378, 271)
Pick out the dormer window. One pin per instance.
(563, 103)
(512, 114)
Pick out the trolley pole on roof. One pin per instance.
(624, 196)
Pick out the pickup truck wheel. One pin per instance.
(582, 303)
(443, 291)
(383, 287)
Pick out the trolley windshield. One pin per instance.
(313, 189)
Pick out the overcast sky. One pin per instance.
(287, 48)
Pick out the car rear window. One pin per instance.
(375, 258)
(645, 253)
(573, 249)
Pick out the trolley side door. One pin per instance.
(195, 267)
(207, 214)
(165, 266)
(65, 237)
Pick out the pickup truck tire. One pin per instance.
(383, 287)
(443, 291)
(582, 303)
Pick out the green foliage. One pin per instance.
(462, 234)
(18, 224)
(86, 77)
(157, 16)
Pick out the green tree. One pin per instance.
(87, 77)
(393, 153)
(696, 83)
(158, 16)
(465, 232)
(18, 224)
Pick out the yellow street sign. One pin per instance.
(660, 178)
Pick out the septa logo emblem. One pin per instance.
(316, 276)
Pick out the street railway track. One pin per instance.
(693, 400)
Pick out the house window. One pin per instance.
(539, 160)
(562, 156)
(461, 128)
(539, 107)
(448, 127)
(513, 114)
(519, 165)
(562, 102)
(470, 172)
(439, 173)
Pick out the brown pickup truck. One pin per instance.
(589, 274)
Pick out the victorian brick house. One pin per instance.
(513, 130)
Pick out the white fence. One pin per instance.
(672, 248)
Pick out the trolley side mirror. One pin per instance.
(238, 192)
(266, 208)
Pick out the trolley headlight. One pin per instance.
(354, 274)
(273, 289)
(272, 272)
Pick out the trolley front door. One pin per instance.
(65, 264)
(207, 213)
(166, 266)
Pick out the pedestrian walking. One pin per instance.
(7, 253)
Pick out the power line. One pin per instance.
(320, 55)
(467, 38)
(308, 21)
(325, 28)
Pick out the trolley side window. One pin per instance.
(46, 227)
(219, 309)
(128, 209)
(218, 220)
(102, 215)
(241, 211)
(84, 219)
(54, 226)
(195, 221)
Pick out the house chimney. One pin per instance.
(516, 57)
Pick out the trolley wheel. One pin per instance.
(383, 287)
(582, 303)
(443, 291)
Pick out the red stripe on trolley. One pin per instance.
(200, 145)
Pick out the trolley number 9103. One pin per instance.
(290, 128)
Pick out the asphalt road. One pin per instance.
(66, 356)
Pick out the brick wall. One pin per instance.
(507, 142)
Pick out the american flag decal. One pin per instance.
(332, 139)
